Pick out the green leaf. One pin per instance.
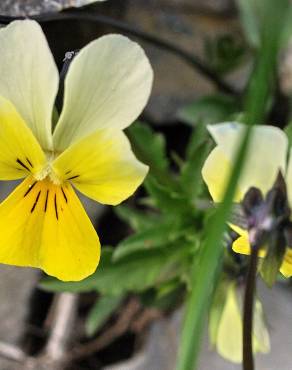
(138, 220)
(101, 311)
(149, 147)
(208, 109)
(161, 234)
(198, 148)
(153, 144)
(198, 137)
(135, 273)
(165, 198)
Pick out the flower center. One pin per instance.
(48, 172)
(266, 214)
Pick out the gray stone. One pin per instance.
(16, 286)
(31, 7)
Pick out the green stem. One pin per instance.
(248, 361)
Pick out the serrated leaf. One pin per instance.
(101, 311)
(138, 220)
(165, 198)
(149, 147)
(153, 144)
(161, 234)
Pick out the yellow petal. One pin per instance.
(107, 86)
(43, 225)
(261, 337)
(215, 172)
(20, 153)
(241, 245)
(29, 76)
(102, 166)
(262, 162)
(286, 268)
(229, 339)
(239, 230)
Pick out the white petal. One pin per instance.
(107, 86)
(265, 157)
(216, 172)
(29, 76)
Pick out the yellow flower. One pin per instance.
(42, 222)
(267, 154)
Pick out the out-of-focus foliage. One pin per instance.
(210, 109)
(225, 53)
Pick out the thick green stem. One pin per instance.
(248, 361)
